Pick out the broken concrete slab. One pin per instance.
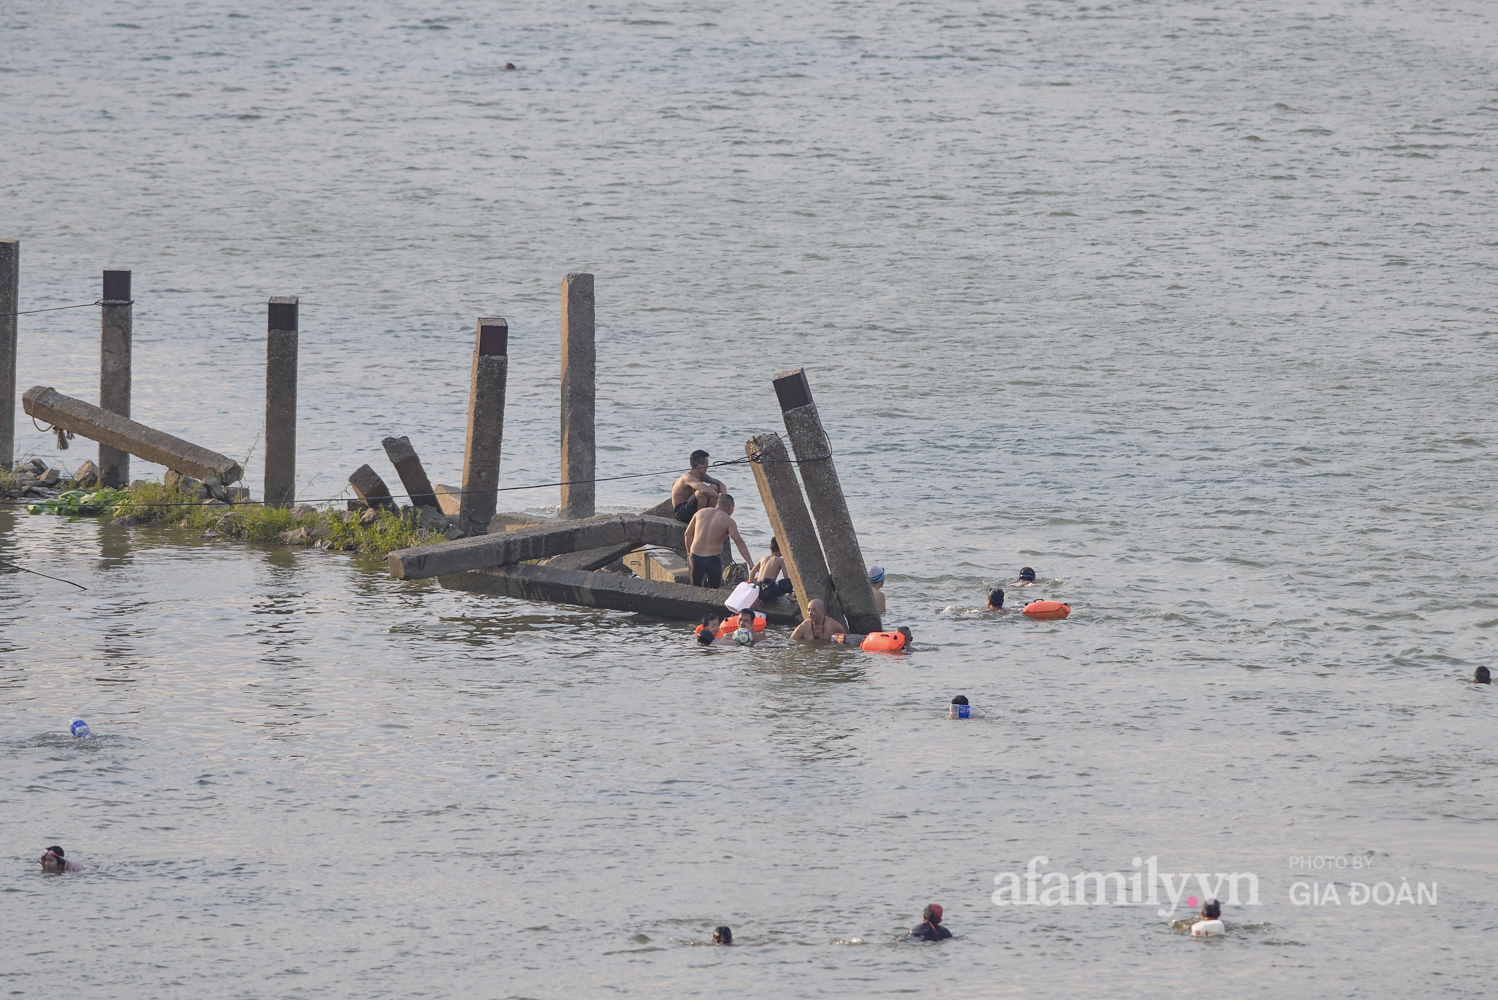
(791, 522)
(660, 565)
(483, 551)
(370, 488)
(548, 584)
(123, 434)
(413, 476)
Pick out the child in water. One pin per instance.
(1211, 923)
(960, 709)
(53, 861)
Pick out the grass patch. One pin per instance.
(342, 531)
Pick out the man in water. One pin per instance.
(705, 534)
(996, 600)
(960, 709)
(53, 861)
(876, 580)
(695, 489)
(930, 929)
(765, 572)
(1026, 578)
(1482, 676)
(818, 626)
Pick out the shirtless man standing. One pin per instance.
(695, 490)
(818, 626)
(705, 534)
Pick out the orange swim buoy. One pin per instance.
(1047, 609)
(883, 642)
(731, 624)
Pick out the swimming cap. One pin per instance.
(996, 598)
(876, 574)
(933, 913)
(722, 935)
(55, 850)
(1482, 676)
(1027, 574)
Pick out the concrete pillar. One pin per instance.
(370, 488)
(280, 401)
(805, 564)
(413, 475)
(486, 426)
(115, 328)
(42, 402)
(10, 302)
(579, 385)
(825, 494)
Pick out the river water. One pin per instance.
(1187, 305)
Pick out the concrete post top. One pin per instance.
(116, 287)
(792, 389)
(282, 314)
(493, 337)
(577, 278)
(10, 241)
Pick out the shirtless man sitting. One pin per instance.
(818, 626)
(695, 490)
(767, 570)
(704, 538)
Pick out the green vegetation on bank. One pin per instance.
(363, 531)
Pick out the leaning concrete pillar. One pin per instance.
(579, 385)
(280, 401)
(413, 475)
(115, 328)
(825, 494)
(10, 302)
(791, 522)
(486, 426)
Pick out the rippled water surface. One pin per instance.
(1188, 305)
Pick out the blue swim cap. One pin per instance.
(1027, 574)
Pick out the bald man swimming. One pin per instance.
(819, 626)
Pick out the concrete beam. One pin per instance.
(413, 476)
(599, 558)
(661, 565)
(579, 386)
(791, 522)
(47, 404)
(10, 303)
(825, 495)
(486, 426)
(281, 347)
(524, 544)
(115, 334)
(547, 584)
(370, 488)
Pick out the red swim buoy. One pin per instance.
(1047, 609)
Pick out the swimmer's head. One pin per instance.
(722, 935)
(725, 503)
(961, 699)
(1027, 574)
(932, 913)
(905, 631)
(52, 860)
(876, 575)
(698, 459)
(1482, 676)
(996, 598)
(705, 637)
(775, 546)
(1211, 910)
